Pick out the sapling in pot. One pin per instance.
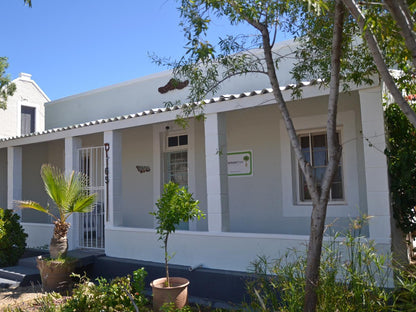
(176, 205)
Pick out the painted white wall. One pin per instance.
(137, 188)
(29, 94)
(226, 251)
(3, 178)
(33, 157)
(142, 94)
(39, 234)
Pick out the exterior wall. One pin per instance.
(353, 205)
(142, 94)
(29, 94)
(226, 251)
(137, 188)
(3, 178)
(265, 202)
(34, 156)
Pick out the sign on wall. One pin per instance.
(240, 163)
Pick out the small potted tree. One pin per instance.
(69, 196)
(174, 206)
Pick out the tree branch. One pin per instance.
(379, 61)
(406, 26)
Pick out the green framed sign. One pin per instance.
(240, 163)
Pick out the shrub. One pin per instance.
(12, 238)
(106, 296)
(353, 277)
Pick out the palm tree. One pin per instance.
(69, 195)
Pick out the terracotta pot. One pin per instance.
(55, 274)
(177, 293)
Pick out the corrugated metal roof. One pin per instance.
(222, 98)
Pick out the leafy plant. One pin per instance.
(401, 152)
(138, 286)
(12, 238)
(353, 277)
(70, 196)
(105, 296)
(174, 206)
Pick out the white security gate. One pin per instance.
(91, 163)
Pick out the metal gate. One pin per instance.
(91, 163)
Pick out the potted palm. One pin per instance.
(174, 206)
(69, 196)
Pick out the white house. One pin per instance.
(238, 162)
(25, 114)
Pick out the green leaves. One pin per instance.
(174, 206)
(68, 193)
(6, 88)
(401, 152)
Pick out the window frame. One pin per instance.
(298, 172)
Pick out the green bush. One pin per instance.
(401, 152)
(116, 295)
(12, 238)
(353, 277)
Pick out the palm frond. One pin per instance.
(23, 204)
(68, 192)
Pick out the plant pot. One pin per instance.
(55, 274)
(177, 293)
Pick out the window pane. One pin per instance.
(336, 190)
(172, 141)
(304, 143)
(183, 140)
(319, 140)
(319, 174)
(320, 156)
(304, 193)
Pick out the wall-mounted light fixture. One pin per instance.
(143, 169)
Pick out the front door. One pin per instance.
(91, 163)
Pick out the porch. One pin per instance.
(254, 210)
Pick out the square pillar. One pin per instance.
(14, 176)
(72, 145)
(114, 141)
(216, 171)
(376, 172)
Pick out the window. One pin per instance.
(315, 150)
(178, 140)
(177, 167)
(27, 120)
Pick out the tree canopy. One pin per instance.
(6, 87)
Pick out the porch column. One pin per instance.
(114, 139)
(216, 170)
(377, 187)
(14, 176)
(72, 145)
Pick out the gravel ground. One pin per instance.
(22, 297)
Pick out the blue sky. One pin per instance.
(79, 45)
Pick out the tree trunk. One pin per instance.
(319, 199)
(167, 260)
(58, 246)
(334, 151)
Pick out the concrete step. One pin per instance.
(22, 275)
(6, 283)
